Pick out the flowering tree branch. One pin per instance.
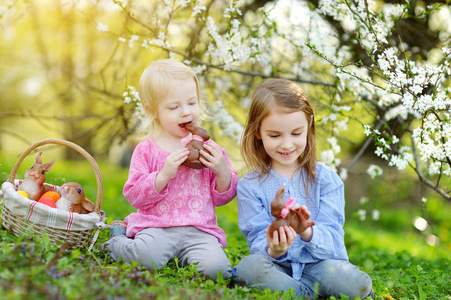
(360, 53)
(418, 170)
(380, 66)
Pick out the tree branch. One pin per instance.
(365, 145)
(429, 183)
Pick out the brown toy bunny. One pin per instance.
(200, 135)
(33, 183)
(73, 199)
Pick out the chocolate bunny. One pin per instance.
(195, 144)
(283, 216)
(33, 183)
(73, 199)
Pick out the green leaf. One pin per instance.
(45, 239)
(422, 293)
(220, 278)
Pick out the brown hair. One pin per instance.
(288, 95)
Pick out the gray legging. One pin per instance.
(155, 247)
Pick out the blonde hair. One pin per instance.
(288, 95)
(155, 83)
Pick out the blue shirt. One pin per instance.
(326, 204)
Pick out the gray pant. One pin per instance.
(332, 276)
(157, 246)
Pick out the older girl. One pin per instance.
(279, 144)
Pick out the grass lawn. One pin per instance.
(398, 259)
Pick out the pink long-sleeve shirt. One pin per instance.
(189, 199)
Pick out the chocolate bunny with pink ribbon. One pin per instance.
(283, 214)
(195, 144)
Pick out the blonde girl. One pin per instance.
(175, 204)
(279, 146)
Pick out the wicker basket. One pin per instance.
(22, 216)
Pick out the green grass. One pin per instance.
(395, 255)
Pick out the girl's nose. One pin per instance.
(185, 111)
(286, 143)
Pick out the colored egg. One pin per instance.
(47, 201)
(23, 193)
(52, 195)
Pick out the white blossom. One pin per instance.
(363, 200)
(379, 151)
(198, 10)
(367, 131)
(362, 214)
(375, 214)
(230, 10)
(102, 27)
(374, 171)
(344, 174)
(225, 120)
(328, 157)
(402, 160)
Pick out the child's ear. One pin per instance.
(152, 114)
(258, 135)
(148, 109)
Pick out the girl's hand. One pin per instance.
(279, 241)
(213, 158)
(304, 227)
(171, 165)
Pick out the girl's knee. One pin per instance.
(131, 250)
(209, 262)
(254, 261)
(212, 268)
(362, 283)
(252, 266)
(365, 288)
(348, 279)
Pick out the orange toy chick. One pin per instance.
(73, 199)
(33, 183)
(200, 135)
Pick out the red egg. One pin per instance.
(47, 201)
(53, 195)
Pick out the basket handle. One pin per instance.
(77, 148)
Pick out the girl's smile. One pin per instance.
(286, 154)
